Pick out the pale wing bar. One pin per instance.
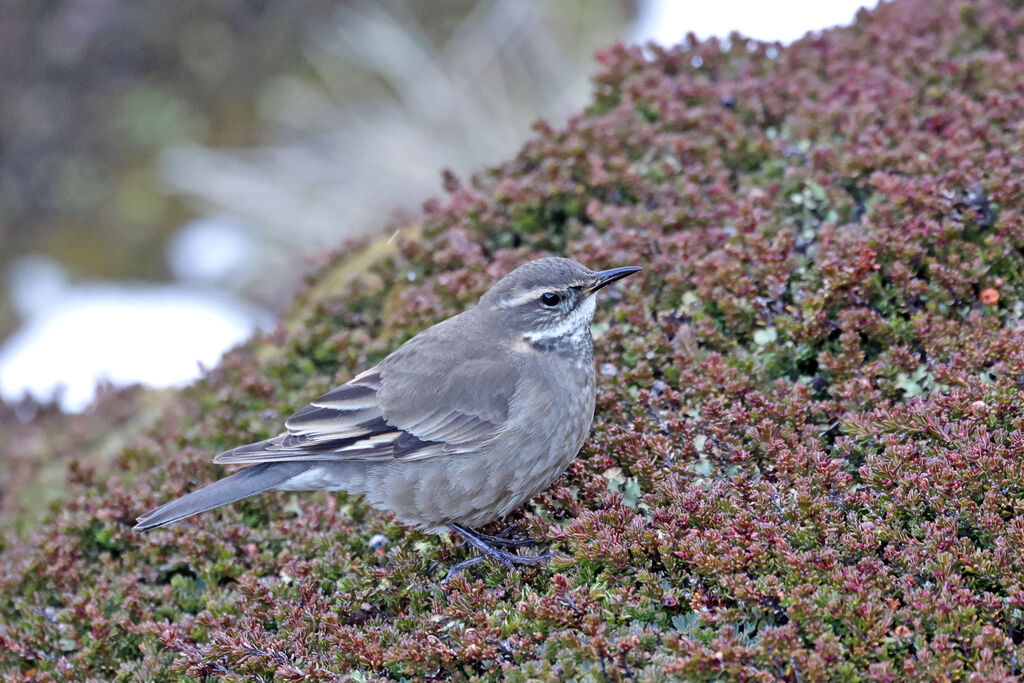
(343, 424)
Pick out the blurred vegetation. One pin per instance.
(41, 441)
(94, 92)
(398, 92)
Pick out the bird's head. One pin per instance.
(549, 299)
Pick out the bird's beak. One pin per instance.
(606, 277)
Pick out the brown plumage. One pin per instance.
(457, 427)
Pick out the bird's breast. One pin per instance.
(551, 418)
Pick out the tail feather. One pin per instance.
(239, 485)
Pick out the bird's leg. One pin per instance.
(502, 557)
(502, 539)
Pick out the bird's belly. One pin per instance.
(476, 488)
(471, 489)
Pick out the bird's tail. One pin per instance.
(239, 485)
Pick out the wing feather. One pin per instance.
(428, 398)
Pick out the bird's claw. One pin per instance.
(486, 545)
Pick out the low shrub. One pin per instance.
(808, 456)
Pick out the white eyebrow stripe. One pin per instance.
(535, 293)
(528, 295)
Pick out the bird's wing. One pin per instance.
(420, 402)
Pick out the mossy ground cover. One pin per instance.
(808, 455)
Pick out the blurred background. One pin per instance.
(170, 170)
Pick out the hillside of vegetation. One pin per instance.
(808, 455)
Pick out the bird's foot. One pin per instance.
(485, 544)
(503, 539)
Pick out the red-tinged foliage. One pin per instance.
(808, 456)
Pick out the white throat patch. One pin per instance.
(575, 323)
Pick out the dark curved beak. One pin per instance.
(606, 277)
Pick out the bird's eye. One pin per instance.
(550, 299)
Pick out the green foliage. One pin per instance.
(807, 456)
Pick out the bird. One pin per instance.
(460, 425)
